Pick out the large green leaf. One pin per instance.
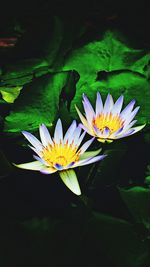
(109, 65)
(116, 239)
(137, 200)
(38, 103)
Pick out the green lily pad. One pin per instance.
(137, 200)
(116, 239)
(109, 65)
(38, 103)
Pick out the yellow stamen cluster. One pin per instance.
(62, 154)
(113, 123)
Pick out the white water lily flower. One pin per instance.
(60, 153)
(108, 122)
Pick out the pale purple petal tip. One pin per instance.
(90, 160)
(45, 135)
(39, 159)
(70, 131)
(33, 140)
(58, 134)
(71, 164)
(58, 167)
(106, 132)
(89, 111)
(97, 131)
(99, 104)
(108, 104)
(127, 110)
(118, 105)
(86, 145)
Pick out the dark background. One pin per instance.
(24, 196)
(131, 17)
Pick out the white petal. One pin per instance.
(40, 160)
(131, 131)
(89, 161)
(117, 106)
(70, 131)
(99, 104)
(33, 140)
(88, 130)
(45, 135)
(86, 145)
(36, 150)
(58, 134)
(76, 135)
(90, 154)
(82, 118)
(127, 110)
(70, 180)
(81, 138)
(138, 128)
(108, 104)
(34, 165)
(131, 116)
(125, 134)
(128, 126)
(89, 111)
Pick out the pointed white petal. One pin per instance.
(99, 104)
(90, 154)
(34, 165)
(86, 145)
(81, 138)
(76, 135)
(36, 150)
(82, 118)
(128, 126)
(89, 111)
(127, 110)
(131, 131)
(88, 130)
(89, 161)
(45, 135)
(70, 180)
(108, 104)
(70, 131)
(125, 134)
(117, 106)
(138, 128)
(33, 140)
(131, 116)
(40, 160)
(58, 134)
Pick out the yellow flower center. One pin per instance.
(113, 123)
(60, 154)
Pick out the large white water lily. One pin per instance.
(108, 122)
(61, 153)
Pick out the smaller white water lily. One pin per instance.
(108, 122)
(60, 153)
